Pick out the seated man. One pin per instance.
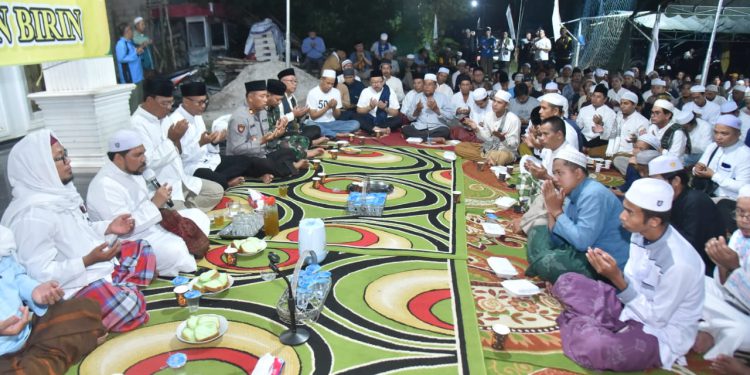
(119, 188)
(461, 100)
(300, 143)
(671, 136)
(297, 114)
(703, 109)
(726, 312)
(162, 140)
(586, 219)
(397, 88)
(39, 333)
(351, 91)
(694, 214)
(410, 100)
(499, 134)
(57, 240)
(443, 84)
(251, 134)
(595, 120)
(660, 293)
(200, 148)
(636, 171)
(378, 106)
(432, 112)
(324, 102)
(700, 133)
(475, 111)
(629, 125)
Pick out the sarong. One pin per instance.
(549, 262)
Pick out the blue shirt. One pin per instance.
(487, 46)
(126, 54)
(15, 290)
(592, 219)
(314, 48)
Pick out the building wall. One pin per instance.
(124, 11)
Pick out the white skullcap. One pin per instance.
(123, 140)
(684, 117)
(347, 61)
(630, 96)
(518, 77)
(552, 86)
(328, 73)
(572, 155)
(664, 104)
(137, 19)
(645, 156)
(664, 164)
(599, 72)
(430, 77)
(479, 94)
(527, 65)
(462, 61)
(698, 88)
(443, 70)
(650, 140)
(410, 56)
(629, 73)
(658, 82)
(712, 88)
(651, 194)
(729, 107)
(739, 87)
(652, 73)
(568, 66)
(556, 100)
(744, 192)
(502, 95)
(729, 120)
(383, 36)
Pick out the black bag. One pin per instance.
(704, 184)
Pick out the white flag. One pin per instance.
(511, 28)
(434, 29)
(556, 22)
(654, 48)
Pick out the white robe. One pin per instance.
(113, 192)
(193, 155)
(161, 154)
(679, 139)
(396, 88)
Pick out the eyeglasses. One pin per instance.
(198, 102)
(62, 158)
(742, 214)
(165, 104)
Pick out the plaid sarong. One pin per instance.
(528, 187)
(123, 305)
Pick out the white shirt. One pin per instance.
(745, 127)
(616, 95)
(586, 120)
(317, 99)
(288, 98)
(709, 112)
(113, 192)
(548, 156)
(396, 87)
(506, 49)
(509, 124)
(454, 77)
(429, 119)
(369, 94)
(445, 90)
(701, 136)
(718, 100)
(635, 124)
(731, 167)
(679, 140)
(542, 43)
(161, 154)
(409, 104)
(193, 155)
(477, 113)
(51, 245)
(457, 101)
(665, 292)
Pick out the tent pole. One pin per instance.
(707, 62)
(288, 43)
(578, 43)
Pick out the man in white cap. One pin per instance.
(595, 120)
(629, 125)
(725, 161)
(694, 214)
(672, 136)
(119, 188)
(658, 86)
(726, 311)
(378, 106)
(700, 134)
(506, 51)
(738, 94)
(346, 64)
(497, 134)
(432, 112)
(461, 68)
(628, 82)
(703, 109)
(410, 100)
(57, 240)
(324, 102)
(660, 293)
(712, 95)
(565, 76)
(551, 88)
(380, 47)
(442, 79)
(730, 108)
(581, 214)
(162, 139)
(461, 101)
(141, 40)
(479, 104)
(542, 46)
(393, 83)
(556, 105)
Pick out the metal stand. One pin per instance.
(294, 335)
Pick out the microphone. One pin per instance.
(150, 177)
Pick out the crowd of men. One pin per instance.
(652, 254)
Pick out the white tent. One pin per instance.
(700, 18)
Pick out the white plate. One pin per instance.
(262, 246)
(449, 155)
(414, 140)
(229, 285)
(505, 203)
(223, 326)
(520, 288)
(452, 142)
(493, 229)
(502, 267)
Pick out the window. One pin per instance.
(196, 34)
(218, 35)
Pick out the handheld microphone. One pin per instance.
(150, 177)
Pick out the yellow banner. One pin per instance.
(32, 32)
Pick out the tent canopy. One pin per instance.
(689, 15)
